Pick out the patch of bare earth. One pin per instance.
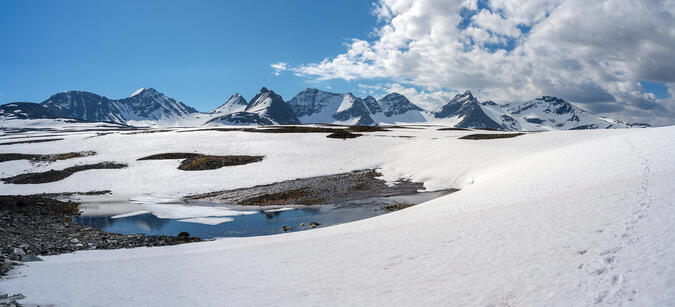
(56, 175)
(200, 162)
(490, 136)
(44, 158)
(321, 190)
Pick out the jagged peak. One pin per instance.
(264, 90)
(550, 99)
(392, 95)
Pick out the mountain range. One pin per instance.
(147, 106)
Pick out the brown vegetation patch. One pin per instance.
(148, 131)
(366, 129)
(44, 158)
(56, 175)
(200, 162)
(171, 156)
(277, 198)
(489, 136)
(298, 129)
(343, 134)
(321, 190)
(32, 141)
(214, 162)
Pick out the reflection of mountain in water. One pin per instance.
(147, 222)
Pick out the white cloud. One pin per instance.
(589, 52)
(279, 67)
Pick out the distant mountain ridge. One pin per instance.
(147, 106)
(144, 104)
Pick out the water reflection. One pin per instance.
(260, 223)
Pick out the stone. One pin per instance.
(19, 251)
(30, 258)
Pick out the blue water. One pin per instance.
(258, 224)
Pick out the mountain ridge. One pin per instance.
(311, 105)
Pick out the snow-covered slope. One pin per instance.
(396, 108)
(587, 222)
(236, 103)
(547, 113)
(149, 104)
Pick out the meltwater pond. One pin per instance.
(207, 221)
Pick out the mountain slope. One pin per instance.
(149, 104)
(27, 110)
(548, 113)
(396, 108)
(265, 108)
(465, 110)
(143, 105)
(317, 106)
(84, 106)
(236, 103)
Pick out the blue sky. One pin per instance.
(199, 52)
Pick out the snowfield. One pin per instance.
(558, 218)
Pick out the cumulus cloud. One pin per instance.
(592, 53)
(279, 67)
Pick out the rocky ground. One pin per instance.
(321, 190)
(37, 225)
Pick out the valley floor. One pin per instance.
(560, 218)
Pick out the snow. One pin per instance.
(208, 220)
(134, 213)
(347, 102)
(557, 218)
(164, 211)
(279, 210)
(138, 91)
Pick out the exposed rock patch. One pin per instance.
(200, 162)
(36, 225)
(56, 175)
(44, 158)
(489, 136)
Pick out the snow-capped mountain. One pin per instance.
(317, 106)
(143, 105)
(84, 106)
(148, 107)
(547, 113)
(396, 108)
(464, 111)
(149, 104)
(236, 103)
(266, 108)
